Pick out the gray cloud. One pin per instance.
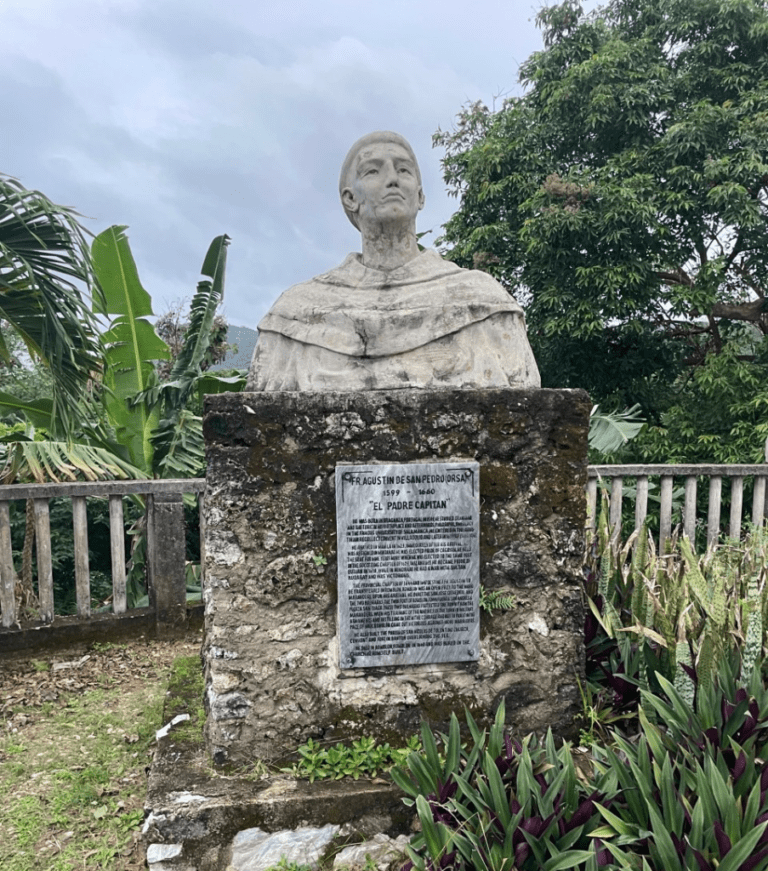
(184, 121)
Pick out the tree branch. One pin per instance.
(677, 277)
(743, 311)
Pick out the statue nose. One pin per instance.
(391, 176)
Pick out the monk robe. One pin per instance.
(428, 324)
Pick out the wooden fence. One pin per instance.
(615, 476)
(165, 545)
(166, 538)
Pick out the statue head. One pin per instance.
(382, 146)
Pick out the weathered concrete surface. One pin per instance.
(271, 645)
(194, 813)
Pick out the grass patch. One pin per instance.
(186, 687)
(73, 779)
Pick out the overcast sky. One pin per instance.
(185, 119)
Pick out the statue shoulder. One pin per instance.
(317, 294)
(475, 285)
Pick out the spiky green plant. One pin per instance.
(678, 609)
(498, 803)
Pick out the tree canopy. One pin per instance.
(623, 199)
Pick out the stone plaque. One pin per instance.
(409, 563)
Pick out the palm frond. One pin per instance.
(44, 270)
(57, 461)
(179, 446)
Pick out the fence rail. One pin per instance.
(735, 474)
(165, 550)
(166, 539)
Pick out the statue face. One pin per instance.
(385, 187)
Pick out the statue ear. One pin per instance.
(349, 202)
(422, 199)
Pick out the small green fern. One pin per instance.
(496, 600)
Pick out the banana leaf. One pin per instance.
(131, 345)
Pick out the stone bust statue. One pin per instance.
(393, 316)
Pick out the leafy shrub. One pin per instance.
(365, 757)
(502, 804)
(652, 614)
(694, 787)
(688, 793)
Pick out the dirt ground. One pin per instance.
(76, 739)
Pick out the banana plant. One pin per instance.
(131, 346)
(163, 435)
(133, 426)
(610, 431)
(147, 425)
(153, 420)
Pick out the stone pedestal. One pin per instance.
(273, 678)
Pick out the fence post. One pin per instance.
(7, 574)
(44, 559)
(665, 511)
(166, 551)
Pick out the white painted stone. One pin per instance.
(380, 849)
(161, 852)
(256, 850)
